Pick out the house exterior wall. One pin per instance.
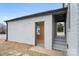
(24, 30)
(53, 29)
(78, 28)
(72, 29)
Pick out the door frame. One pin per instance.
(36, 30)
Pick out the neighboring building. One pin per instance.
(2, 28)
(41, 29)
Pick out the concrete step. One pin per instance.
(60, 47)
(60, 42)
(60, 38)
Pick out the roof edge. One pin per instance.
(36, 14)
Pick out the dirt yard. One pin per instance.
(13, 48)
(9, 48)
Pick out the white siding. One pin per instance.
(24, 30)
(72, 33)
(78, 27)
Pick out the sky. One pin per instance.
(13, 10)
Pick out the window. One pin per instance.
(38, 30)
(60, 29)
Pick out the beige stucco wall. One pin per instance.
(24, 30)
